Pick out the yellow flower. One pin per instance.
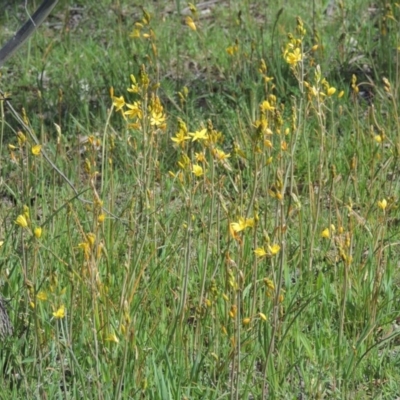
(242, 224)
(246, 321)
(112, 337)
(199, 135)
(184, 161)
(382, 204)
(135, 34)
(331, 91)
(262, 316)
(190, 23)
(200, 157)
(378, 138)
(274, 249)
(231, 50)
(118, 102)
(134, 110)
(157, 119)
(134, 87)
(36, 149)
(91, 238)
(60, 313)
(260, 252)
(21, 138)
(265, 106)
(85, 247)
(101, 218)
(294, 57)
(38, 232)
(42, 296)
(180, 137)
(220, 155)
(269, 284)
(268, 143)
(197, 170)
(26, 211)
(21, 221)
(326, 234)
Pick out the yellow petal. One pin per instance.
(382, 204)
(112, 337)
(274, 249)
(260, 252)
(190, 23)
(36, 149)
(37, 232)
(326, 233)
(60, 313)
(21, 221)
(262, 316)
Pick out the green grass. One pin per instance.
(144, 281)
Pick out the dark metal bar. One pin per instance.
(26, 30)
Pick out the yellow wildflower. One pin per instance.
(60, 313)
(21, 138)
(294, 56)
(180, 137)
(200, 157)
(36, 149)
(326, 234)
(331, 91)
(184, 161)
(270, 285)
(231, 50)
(242, 224)
(266, 106)
(134, 87)
(38, 232)
(382, 204)
(262, 316)
(190, 23)
(91, 238)
(112, 337)
(21, 221)
(135, 34)
(134, 110)
(246, 321)
(274, 249)
(199, 135)
(220, 155)
(197, 170)
(42, 296)
(378, 138)
(260, 252)
(118, 102)
(157, 119)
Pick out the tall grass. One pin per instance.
(231, 233)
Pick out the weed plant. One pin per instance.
(227, 230)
